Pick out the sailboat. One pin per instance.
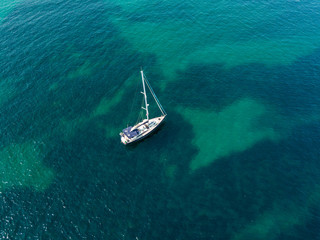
(146, 126)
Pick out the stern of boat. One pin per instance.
(123, 138)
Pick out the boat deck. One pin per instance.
(140, 130)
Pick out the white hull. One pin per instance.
(144, 128)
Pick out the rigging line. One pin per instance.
(155, 97)
(140, 113)
(134, 100)
(157, 101)
(139, 119)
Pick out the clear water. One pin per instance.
(238, 156)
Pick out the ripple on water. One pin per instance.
(22, 165)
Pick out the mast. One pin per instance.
(145, 95)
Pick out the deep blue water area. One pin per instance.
(237, 157)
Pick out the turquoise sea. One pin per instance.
(237, 158)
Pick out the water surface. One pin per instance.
(237, 157)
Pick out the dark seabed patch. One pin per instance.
(293, 89)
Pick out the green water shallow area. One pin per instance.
(237, 33)
(234, 129)
(237, 157)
